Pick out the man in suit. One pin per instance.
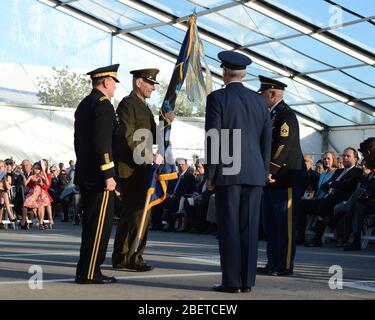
(237, 169)
(135, 159)
(339, 188)
(285, 182)
(94, 126)
(310, 186)
(364, 202)
(184, 185)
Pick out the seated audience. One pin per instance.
(4, 194)
(319, 166)
(310, 206)
(185, 185)
(338, 189)
(365, 203)
(196, 204)
(37, 197)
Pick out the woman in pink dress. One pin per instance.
(46, 187)
(37, 196)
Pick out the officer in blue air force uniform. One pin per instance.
(238, 185)
(94, 126)
(284, 183)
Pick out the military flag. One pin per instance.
(189, 66)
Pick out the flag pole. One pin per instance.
(141, 227)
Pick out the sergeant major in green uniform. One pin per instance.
(134, 114)
(284, 184)
(94, 126)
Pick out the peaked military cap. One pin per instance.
(268, 83)
(233, 60)
(147, 74)
(109, 71)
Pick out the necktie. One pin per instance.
(178, 182)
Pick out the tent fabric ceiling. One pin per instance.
(322, 49)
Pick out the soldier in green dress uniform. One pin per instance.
(135, 159)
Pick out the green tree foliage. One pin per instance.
(184, 107)
(65, 89)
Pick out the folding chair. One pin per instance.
(368, 230)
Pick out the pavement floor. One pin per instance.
(186, 267)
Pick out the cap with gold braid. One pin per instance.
(269, 83)
(146, 74)
(109, 71)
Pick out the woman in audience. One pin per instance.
(4, 196)
(308, 206)
(37, 196)
(196, 205)
(319, 167)
(45, 166)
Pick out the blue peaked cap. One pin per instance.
(233, 60)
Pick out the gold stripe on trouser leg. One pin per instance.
(91, 265)
(290, 225)
(101, 231)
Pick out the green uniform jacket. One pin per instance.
(134, 114)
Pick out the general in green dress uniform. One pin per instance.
(134, 114)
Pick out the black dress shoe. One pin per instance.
(352, 246)
(24, 226)
(221, 288)
(169, 229)
(354, 243)
(99, 280)
(300, 240)
(139, 267)
(265, 270)
(245, 289)
(282, 273)
(156, 228)
(314, 243)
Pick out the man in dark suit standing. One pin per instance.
(94, 126)
(238, 133)
(285, 182)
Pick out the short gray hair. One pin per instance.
(235, 73)
(97, 81)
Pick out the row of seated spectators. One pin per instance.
(340, 193)
(340, 196)
(36, 189)
(189, 206)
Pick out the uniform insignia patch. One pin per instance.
(106, 158)
(103, 98)
(284, 131)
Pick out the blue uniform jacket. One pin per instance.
(237, 107)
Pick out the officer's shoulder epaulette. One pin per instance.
(104, 98)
